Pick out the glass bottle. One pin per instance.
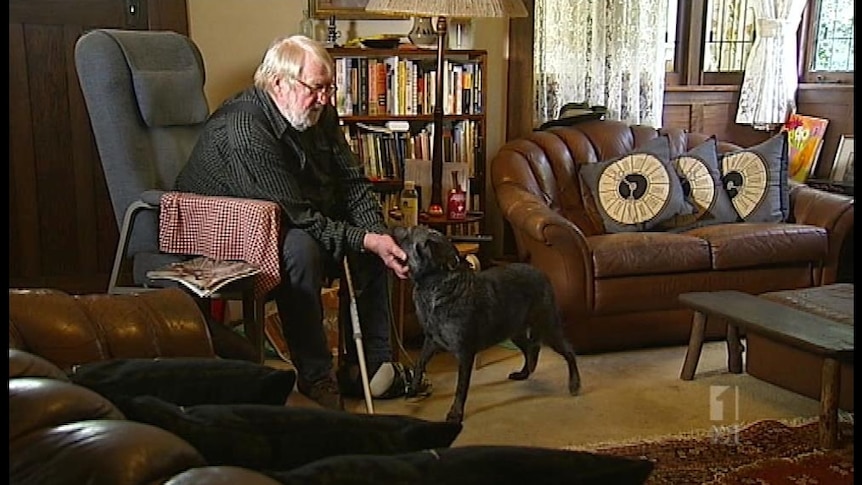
(456, 203)
(409, 204)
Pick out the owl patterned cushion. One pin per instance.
(637, 191)
(701, 183)
(755, 178)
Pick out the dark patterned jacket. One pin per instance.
(313, 175)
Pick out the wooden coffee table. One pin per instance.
(811, 333)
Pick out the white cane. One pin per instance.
(357, 338)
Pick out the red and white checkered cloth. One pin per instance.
(224, 228)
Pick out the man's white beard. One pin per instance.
(304, 120)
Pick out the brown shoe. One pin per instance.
(323, 392)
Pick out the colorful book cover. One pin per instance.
(805, 137)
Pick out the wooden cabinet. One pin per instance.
(62, 231)
(386, 100)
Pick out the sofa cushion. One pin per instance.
(636, 191)
(265, 437)
(647, 253)
(703, 189)
(188, 381)
(756, 180)
(474, 465)
(747, 245)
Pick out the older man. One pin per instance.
(280, 140)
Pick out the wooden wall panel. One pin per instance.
(62, 231)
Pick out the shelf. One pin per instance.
(402, 51)
(376, 86)
(428, 118)
(845, 188)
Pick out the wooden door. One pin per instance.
(62, 232)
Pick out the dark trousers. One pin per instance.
(306, 268)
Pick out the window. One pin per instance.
(833, 35)
(729, 35)
(724, 31)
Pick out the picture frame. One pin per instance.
(345, 10)
(843, 165)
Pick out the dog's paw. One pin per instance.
(519, 376)
(575, 387)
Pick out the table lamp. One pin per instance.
(443, 9)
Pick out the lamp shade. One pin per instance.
(449, 8)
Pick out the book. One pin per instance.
(204, 276)
(805, 138)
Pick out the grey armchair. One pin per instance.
(144, 94)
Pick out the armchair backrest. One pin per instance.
(144, 94)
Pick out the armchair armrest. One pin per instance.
(833, 212)
(226, 228)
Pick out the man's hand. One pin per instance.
(387, 249)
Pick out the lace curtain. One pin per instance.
(603, 52)
(768, 92)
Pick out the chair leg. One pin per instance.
(253, 314)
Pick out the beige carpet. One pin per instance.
(624, 396)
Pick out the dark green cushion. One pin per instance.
(473, 465)
(284, 437)
(187, 381)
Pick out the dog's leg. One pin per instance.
(465, 371)
(429, 349)
(530, 349)
(562, 346)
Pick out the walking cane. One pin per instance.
(357, 338)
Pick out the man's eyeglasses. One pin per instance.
(328, 89)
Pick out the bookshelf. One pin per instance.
(385, 100)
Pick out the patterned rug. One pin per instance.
(765, 452)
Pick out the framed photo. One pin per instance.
(344, 10)
(843, 166)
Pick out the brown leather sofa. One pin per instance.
(619, 291)
(61, 433)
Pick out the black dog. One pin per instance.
(463, 311)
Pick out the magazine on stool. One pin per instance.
(203, 275)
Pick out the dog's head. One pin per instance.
(428, 251)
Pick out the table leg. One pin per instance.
(734, 349)
(829, 391)
(695, 345)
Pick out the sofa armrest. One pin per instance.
(551, 243)
(833, 212)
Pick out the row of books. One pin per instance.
(399, 86)
(383, 150)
